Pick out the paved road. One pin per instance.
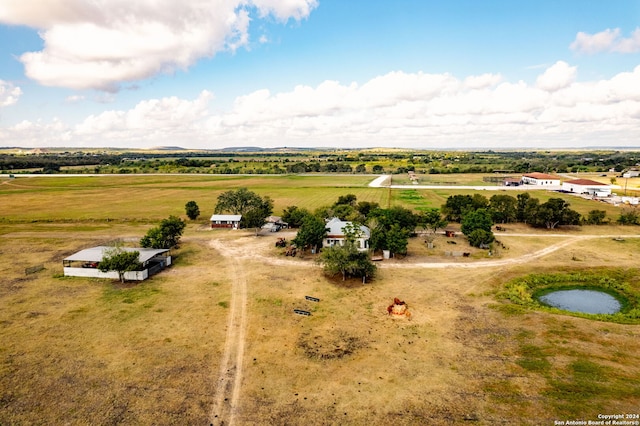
(383, 182)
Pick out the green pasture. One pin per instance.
(145, 198)
(149, 198)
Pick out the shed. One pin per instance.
(85, 263)
(587, 186)
(540, 179)
(231, 221)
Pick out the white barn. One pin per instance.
(335, 234)
(587, 186)
(85, 263)
(540, 179)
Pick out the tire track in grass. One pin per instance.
(228, 384)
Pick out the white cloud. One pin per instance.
(101, 44)
(607, 41)
(9, 94)
(396, 109)
(556, 77)
(74, 99)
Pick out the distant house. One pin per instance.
(336, 236)
(231, 221)
(85, 263)
(631, 173)
(540, 179)
(587, 186)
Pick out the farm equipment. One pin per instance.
(291, 251)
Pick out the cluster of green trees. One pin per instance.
(502, 208)
(329, 161)
(253, 208)
(390, 230)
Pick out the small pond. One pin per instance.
(585, 301)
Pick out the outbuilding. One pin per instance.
(587, 186)
(85, 263)
(231, 221)
(540, 179)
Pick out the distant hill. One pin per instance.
(166, 148)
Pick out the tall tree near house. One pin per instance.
(237, 201)
(253, 208)
(256, 216)
(166, 235)
(192, 210)
(294, 216)
(348, 261)
(311, 233)
(121, 261)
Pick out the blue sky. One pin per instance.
(418, 74)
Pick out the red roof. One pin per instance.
(541, 176)
(585, 182)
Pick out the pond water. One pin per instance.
(585, 301)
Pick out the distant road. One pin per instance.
(382, 182)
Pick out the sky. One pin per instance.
(420, 74)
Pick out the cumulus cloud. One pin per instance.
(9, 94)
(101, 44)
(396, 109)
(607, 41)
(556, 77)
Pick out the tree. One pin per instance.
(255, 216)
(311, 233)
(349, 199)
(521, 205)
(401, 216)
(554, 212)
(366, 207)
(431, 220)
(348, 261)
(596, 217)
(192, 210)
(253, 208)
(397, 239)
(166, 235)
(478, 219)
(237, 201)
(480, 238)
(456, 206)
(120, 260)
(294, 216)
(503, 208)
(629, 217)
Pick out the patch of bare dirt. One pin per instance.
(334, 344)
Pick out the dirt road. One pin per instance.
(230, 373)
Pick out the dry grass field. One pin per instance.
(215, 335)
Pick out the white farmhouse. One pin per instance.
(587, 186)
(336, 236)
